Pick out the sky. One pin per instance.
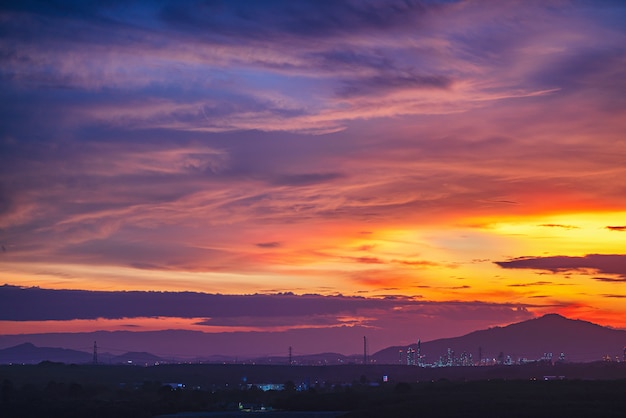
(308, 172)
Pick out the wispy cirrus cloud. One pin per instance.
(438, 53)
(236, 145)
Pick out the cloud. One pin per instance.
(367, 260)
(271, 244)
(559, 226)
(175, 58)
(600, 263)
(417, 263)
(540, 283)
(307, 179)
(270, 319)
(305, 19)
(610, 279)
(278, 322)
(387, 83)
(38, 304)
(616, 228)
(43, 304)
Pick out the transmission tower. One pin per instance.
(95, 353)
(290, 358)
(364, 350)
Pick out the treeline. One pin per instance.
(359, 399)
(150, 398)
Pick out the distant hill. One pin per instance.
(27, 353)
(580, 341)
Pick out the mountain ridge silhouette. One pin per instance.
(578, 340)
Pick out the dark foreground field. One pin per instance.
(55, 390)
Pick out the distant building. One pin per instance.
(175, 386)
(267, 386)
(410, 356)
(547, 358)
(466, 359)
(419, 352)
(447, 359)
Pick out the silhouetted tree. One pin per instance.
(290, 386)
(402, 388)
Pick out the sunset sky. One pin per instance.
(309, 172)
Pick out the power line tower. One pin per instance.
(95, 353)
(290, 358)
(364, 350)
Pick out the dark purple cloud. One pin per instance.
(37, 304)
(310, 323)
(22, 304)
(600, 263)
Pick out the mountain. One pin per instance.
(579, 341)
(27, 353)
